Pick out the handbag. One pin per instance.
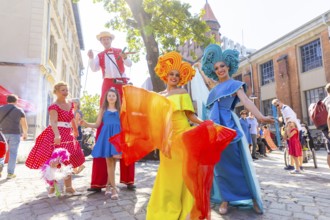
(3, 142)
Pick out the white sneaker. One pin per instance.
(295, 172)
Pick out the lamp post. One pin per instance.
(253, 97)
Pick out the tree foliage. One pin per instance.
(90, 106)
(156, 25)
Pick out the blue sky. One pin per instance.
(256, 23)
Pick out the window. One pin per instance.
(311, 55)
(267, 105)
(238, 77)
(313, 96)
(267, 72)
(53, 51)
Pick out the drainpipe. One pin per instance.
(252, 96)
(46, 42)
(44, 62)
(326, 21)
(252, 80)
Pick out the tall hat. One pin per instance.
(173, 61)
(214, 54)
(105, 34)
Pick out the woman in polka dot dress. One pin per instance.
(60, 133)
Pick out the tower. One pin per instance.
(191, 46)
(212, 21)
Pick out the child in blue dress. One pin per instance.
(109, 115)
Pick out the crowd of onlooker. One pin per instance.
(294, 134)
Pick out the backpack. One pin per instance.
(319, 115)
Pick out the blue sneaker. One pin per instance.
(289, 167)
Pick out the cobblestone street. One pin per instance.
(285, 196)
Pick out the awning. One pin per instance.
(24, 104)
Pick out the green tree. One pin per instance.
(90, 106)
(156, 25)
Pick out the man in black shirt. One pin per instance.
(11, 118)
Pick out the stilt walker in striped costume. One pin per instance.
(111, 61)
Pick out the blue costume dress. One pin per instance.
(246, 129)
(111, 126)
(234, 176)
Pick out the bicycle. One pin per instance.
(319, 140)
(308, 154)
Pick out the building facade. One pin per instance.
(295, 68)
(40, 45)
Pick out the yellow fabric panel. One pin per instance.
(170, 198)
(181, 102)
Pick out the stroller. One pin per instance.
(3, 145)
(88, 142)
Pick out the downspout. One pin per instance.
(46, 42)
(252, 79)
(252, 95)
(44, 62)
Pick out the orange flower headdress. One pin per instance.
(173, 61)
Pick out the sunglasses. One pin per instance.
(218, 67)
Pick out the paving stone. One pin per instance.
(285, 196)
(294, 208)
(277, 206)
(121, 215)
(116, 209)
(325, 210)
(280, 212)
(315, 211)
(303, 216)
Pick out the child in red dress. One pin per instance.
(295, 149)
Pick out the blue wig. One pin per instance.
(214, 54)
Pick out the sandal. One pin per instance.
(51, 195)
(256, 208)
(72, 193)
(223, 209)
(114, 193)
(108, 190)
